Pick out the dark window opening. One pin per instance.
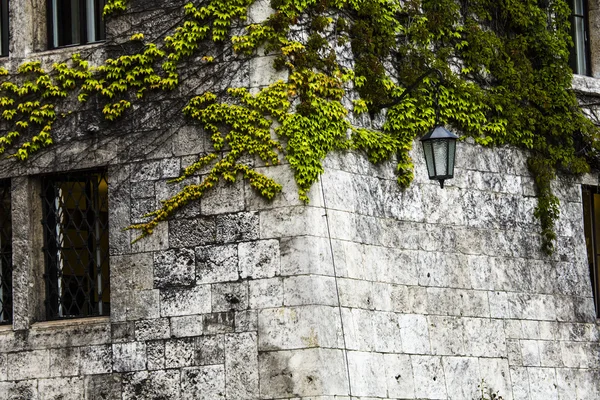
(76, 245)
(591, 225)
(580, 52)
(5, 255)
(75, 22)
(3, 28)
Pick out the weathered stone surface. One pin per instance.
(266, 293)
(191, 232)
(61, 388)
(241, 364)
(95, 360)
(367, 374)
(189, 325)
(174, 268)
(259, 259)
(461, 376)
(203, 383)
(129, 356)
(308, 372)
(305, 255)
(429, 377)
(151, 329)
(176, 302)
(29, 364)
(229, 296)
(216, 264)
(237, 227)
(210, 350)
(102, 387)
(152, 385)
(180, 353)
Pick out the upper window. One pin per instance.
(591, 224)
(73, 22)
(580, 52)
(76, 245)
(3, 27)
(5, 254)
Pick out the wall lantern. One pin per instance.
(439, 146)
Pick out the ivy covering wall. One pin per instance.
(506, 80)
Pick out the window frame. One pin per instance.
(591, 229)
(53, 31)
(4, 28)
(97, 277)
(6, 291)
(585, 69)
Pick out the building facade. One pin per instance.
(366, 292)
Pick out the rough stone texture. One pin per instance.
(369, 292)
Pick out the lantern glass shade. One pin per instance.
(439, 147)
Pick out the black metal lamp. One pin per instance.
(439, 146)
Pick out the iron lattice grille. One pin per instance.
(76, 245)
(5, 255)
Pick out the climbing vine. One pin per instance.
(506, 80)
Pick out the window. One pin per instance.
(5, 255)
(75, 224)
(580, 52)
(72, 22)
(591, 224)
(3, 27)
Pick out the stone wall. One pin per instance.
(367, 292)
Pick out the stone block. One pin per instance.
(180, 353)
(131, 272)
(292, 221)
(129, 356)
(159, 240)
(237, 227)
(367, 374)
(192, 232)
(61, 388)
(142, 304)
(265, 293)
(163, 384)
(414, 333)
(429, 377)
(146, 171)
(188, 325)
(222, 322)
(566, 381)
(224, 198)
(532, 306)
(305, 255)
(499, 307)
(550, 354)
(305, 290)
(122, 332)
(217, 264)
(485, 337)
(203, 383)
(29, 364)
(462, 377)
(446, 335)
(246, 321)
(299, 327)
(175, 267)
(259, 259)
(399, 376)
(530, 353)
(350, 261)
(496, 373)
(229, 296)
(359, 329)
(155, 354)
(303, 373)
(176, 302)
(241, 364)
(64, 362)
(388, 297)
(102, 387)
(152, 329)
(542, 383)
(515, 356)
(95, 360)
(210, 350)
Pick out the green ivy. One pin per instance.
(506, 80)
